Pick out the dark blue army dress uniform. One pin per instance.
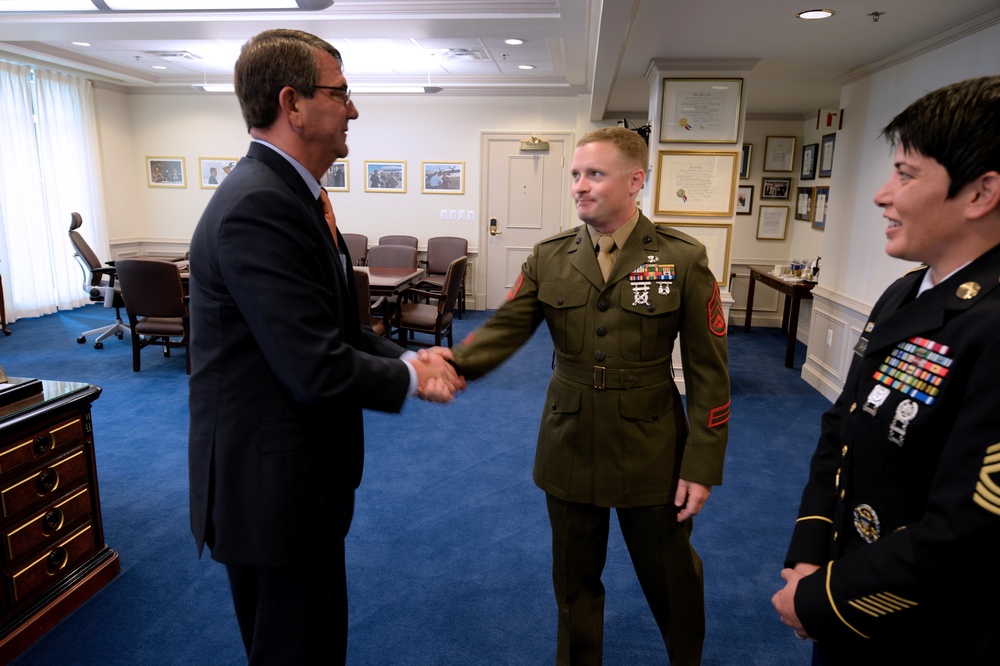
(613, 429)
(902, 507)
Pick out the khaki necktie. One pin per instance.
(605, 245)
(331, 219)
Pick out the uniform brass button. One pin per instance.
(655, 416)
(601, 331)
(553, 406)
(559, 301)
(843, 451)
(841, 494)
(854, 406)
(599, 356)
(650, 307)
(835, 535)
(647, 239)
(602, 305)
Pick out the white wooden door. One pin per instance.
(526, 199)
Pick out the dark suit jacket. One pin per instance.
(280, 369)
(625, 445)
(903, 502)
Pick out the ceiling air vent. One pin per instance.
(468, 55)
(173, 55)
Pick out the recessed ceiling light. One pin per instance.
(514, 41)
(525, 66)
(815, 14)
(80, 43)
(159, 66)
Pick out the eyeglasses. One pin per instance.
(345, 92)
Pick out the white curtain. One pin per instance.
(49, 168)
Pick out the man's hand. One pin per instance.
(784, 599)
(437, 380)
(690, 498)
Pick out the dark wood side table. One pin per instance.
(794, 293)
(3, 311)
(52, 551)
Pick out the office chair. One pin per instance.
(98, 283)
(156, 304)
(368, 307)
(408, 241)
(441, 251)
(357, 247)
(434, 318)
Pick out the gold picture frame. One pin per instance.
(691, 182)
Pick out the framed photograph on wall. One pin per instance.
(804, 204)
(694, 182)
(715, 236)
(744, 199)
(213, 170)
(826, 156)
(700, 110)
(338, 177)
(779, 153)
(385, 176)
(775, 188)
(165, 172)
(809, 153)
(443, 177)
(745, 160)
(772, 222)
(821, 201)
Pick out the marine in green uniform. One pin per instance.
(614, 432)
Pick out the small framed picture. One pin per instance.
(744, 199)
(337, 178)
(821, 202)
(804, 204)
(809, 153)
(443, 178)
(775, 188)
(165, 172)
(745, 160)
(771, 222)
(385, 176)
(214, 170)
(826, 156)
(779, 153)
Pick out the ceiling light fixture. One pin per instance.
(214, 87)
(525, 66)
(80, 43)
(48, 6)
(814, 14)
(514, 41)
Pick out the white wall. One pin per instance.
(856, 269)
(408, 128)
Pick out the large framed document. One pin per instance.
(700, 110)
(696, 183)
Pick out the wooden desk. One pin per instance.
(794, 292)
(3, 312)
(391, 281)
(53, 556)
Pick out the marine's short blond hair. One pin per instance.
(628, 143)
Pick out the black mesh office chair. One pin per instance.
(98, 283)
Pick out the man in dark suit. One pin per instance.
(613, 430)
(893, 556)
(281, 367)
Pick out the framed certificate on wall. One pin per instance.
(700, 110)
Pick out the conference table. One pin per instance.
(391, 281)
(795, 290)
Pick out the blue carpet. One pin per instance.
(448, 557)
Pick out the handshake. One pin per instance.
(437, 379)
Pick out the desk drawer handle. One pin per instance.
(52, 521)
(47, 481)
(42, 445)
(56, 560)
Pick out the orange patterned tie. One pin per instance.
(331, 219)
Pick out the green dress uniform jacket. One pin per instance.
(613, 431)
(902, 507)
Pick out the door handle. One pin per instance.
(493, 227)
